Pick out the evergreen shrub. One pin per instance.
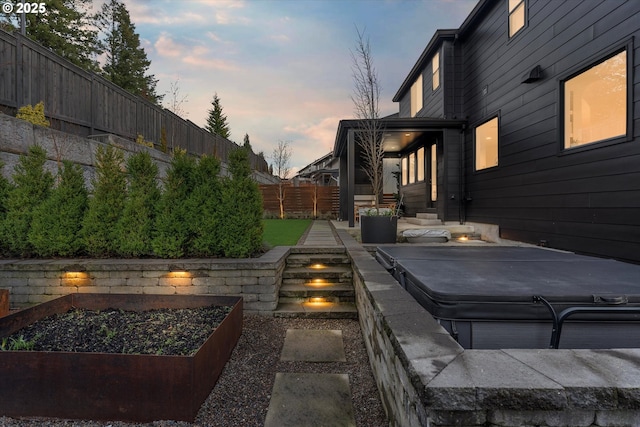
(136, 226)
(56, 224)
(33, 114)
(204, 213)
(241, 233)
(32, 185)
(99, 230)
(172, 237)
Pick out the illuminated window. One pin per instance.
(434, 174)
(516, 16)
(487, 144)
(595, 103)
(412, 168)
(420, 164)
(435, 69)
(405, 171)
(416, 96)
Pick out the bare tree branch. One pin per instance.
(366, 97)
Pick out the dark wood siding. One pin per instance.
(585, 200)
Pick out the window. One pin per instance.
(487, 144)
(516, 16)
(412, 168)
(434, 174)
(420, 163)
(405, 171)
(416, 96)
(435, 69)
(595, 103)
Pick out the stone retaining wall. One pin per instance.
(426, 379)
(257, 280)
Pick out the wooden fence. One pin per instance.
(299, 201)
(85, 104)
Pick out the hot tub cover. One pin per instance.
(500, 282)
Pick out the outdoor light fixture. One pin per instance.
(317, 266)
(318, 283)
(179, 274)
(463, 238)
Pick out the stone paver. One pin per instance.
(313, 345)
(310, 400)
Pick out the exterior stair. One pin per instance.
(431, 221)
(317, 283)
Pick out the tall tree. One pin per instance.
(126, 61)
(247, 143)
(365, 97)
(65, 27)
(217, 121)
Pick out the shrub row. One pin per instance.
(197, 213)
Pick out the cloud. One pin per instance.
(166, 46)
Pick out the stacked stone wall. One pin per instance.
(426, 379)
(257, 280)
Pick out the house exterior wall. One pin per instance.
(586, 199)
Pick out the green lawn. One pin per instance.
(284, 232)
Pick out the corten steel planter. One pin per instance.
(4, 302)
(103, 386)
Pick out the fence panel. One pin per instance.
(83, 103)
(8, 64)
(299, 201)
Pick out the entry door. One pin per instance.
(432, 172)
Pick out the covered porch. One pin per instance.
(423, 164)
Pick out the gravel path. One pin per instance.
(241, 396)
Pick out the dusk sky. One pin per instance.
(282, 68)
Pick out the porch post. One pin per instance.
(351, 165)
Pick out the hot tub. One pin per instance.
(522, 297)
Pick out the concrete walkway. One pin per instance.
(320, 234)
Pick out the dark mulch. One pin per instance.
(160, 332)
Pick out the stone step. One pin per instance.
(425, 215)
(317, 298)
(310, 289)
(424, 222)
(305, 260)
(324, 310)
(317, 250)
(327, 273)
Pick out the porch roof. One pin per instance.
(398, 132)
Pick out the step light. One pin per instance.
(318, 283)
(317, 266)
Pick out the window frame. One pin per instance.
(435, 71)
(511, 12)
(416, 96)
(475, 142)
(582, 67)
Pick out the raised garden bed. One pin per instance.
(108, 386)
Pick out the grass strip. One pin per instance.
(284, 232)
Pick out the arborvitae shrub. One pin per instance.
(32, 186)
(204, 213)
(136, 226)
(5, 187)
(106, 205)
(242, 209)
(55, 228)
(172, 236)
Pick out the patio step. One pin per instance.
(317, 283)
(427, 222)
